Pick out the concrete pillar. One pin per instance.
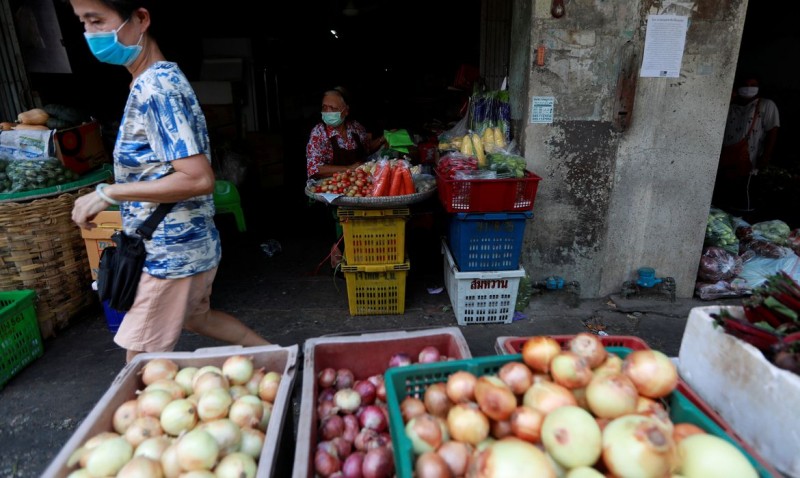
(612, 201)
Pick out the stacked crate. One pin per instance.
(487, 219)
(375, 265)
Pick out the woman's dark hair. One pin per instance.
(125, 9)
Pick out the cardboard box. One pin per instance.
(81, 148)
(754, 397)
(97, 239)
(128, 381)
(365, 355)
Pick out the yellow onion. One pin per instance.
(424, 432)
(209, 380)
(526, 423)
(411, 407)
(703, 455)
(510, 457)
(142, 429)
(431, 465)
(157, 369)
(238, 369)
(124, 415)
(611, 396)
(109, 457)
(570, 370)
(436, 400)
(178, 416)
(171, 386)
(457, 455)
(584, 472)
(652, 372)
(460, 386)
(141, 467)
(197, 450)
(467, 423)
(590, 347)
(537, 352)
(517, 376)
(214, 404)
(572, 437)
(637, 445)
(236, 465)
(494, 397)
(153, 447)
(252, 442)
(169, 462)
(152, 402)
(612, 364)
(547, 396)
(268, 387)
(227, 434)
(185, 378)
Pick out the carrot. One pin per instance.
(408, 182)
(382, 180)
(397, 182)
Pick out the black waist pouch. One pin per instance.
(120, 270)
(121, 266)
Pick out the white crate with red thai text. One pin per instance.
(485, 297)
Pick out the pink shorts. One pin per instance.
(161, 307)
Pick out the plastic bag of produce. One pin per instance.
(720, 289)
(763, 248)
(30, 174)
(507, 165)
(775, 231)
(5, 181)
(756, 270)
(720, 231)
(717, 264)
(455, 161)
(794, 240)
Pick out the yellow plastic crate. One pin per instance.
(374, 236)
(376, 289)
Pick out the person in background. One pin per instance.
(337, 143)
(162, 154)
(751, 113)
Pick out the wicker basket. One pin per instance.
(42, 249)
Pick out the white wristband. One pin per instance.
(105, 197)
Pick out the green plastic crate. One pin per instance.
(414, 379)
(20, 339)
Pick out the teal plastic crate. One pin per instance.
(20, 338)
(414, 379)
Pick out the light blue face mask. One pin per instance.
(332, 118)
(105, 46)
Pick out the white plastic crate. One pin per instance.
(484, 297)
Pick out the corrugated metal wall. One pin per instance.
(495, 41)
(15, 92)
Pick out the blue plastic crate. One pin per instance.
(113, 317)
(487, 241)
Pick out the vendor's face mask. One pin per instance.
(106, 47)
(748, 91)
(332, 118)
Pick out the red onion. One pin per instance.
(331, 427)
(367, 390)
(326, 464)
(399, 360)
(351, 428)
(344, 379)
(327, 446)
(342, 446)
(373, 417)
(351, 468)
(326, 394)
(326, 377)
(429, 354)
(364, 438)
(378, 463)
(326, 408)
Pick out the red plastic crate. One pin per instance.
(507, 345)
(513, 345)
(488, 195)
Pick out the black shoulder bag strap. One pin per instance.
(147, 228)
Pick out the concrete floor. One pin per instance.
(283, 299)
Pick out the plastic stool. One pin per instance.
(227, 199)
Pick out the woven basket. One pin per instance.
(42, 249)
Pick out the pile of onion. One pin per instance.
(570, 410)
(207, 420)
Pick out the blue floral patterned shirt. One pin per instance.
(163, 122)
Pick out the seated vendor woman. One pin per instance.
(337, 143)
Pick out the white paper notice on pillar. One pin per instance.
(663, 46)
(542, 109)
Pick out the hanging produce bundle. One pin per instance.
(491, 110)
